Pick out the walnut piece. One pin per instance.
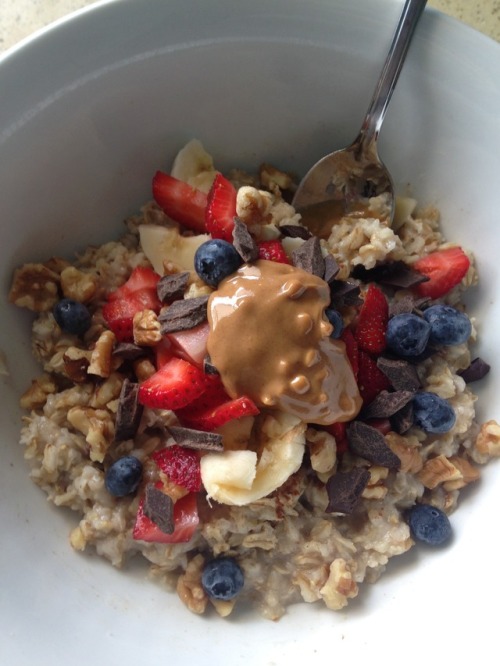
(78, 285)
(146, 328)
(488, 440)
(35, 287)
(101, 357)
(76, 363)
(322, 450)
(253, 206)
(272, 178)
(36, 396)
(375, 488)
(189, 587)
(98, 427)
(468, 474)
(143, 369)
(411, 459)
(438, 470)
(340, 585)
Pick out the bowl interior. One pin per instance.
(281, 81)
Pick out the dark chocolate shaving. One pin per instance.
(243, 242)
(128, 351)
(172, 287)
(406, 305)
(208, 367)
(402, 374)
(393, 274)
(309, 257)
(367, 442)
(129, 412)
(387, 404)
(159, 508)
(196, 439)
(402, 421)
(345, 488)
(344, 292)
(331, 268)
(184, 314)
(476, 371)
(295, 231)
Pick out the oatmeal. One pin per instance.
(265, 415)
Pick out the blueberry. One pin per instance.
(448, 325)
(222, 578)
(432, 413)
(407, 335)
(429, 524)
(215, 259)
(72, 316)
(335, 319)
(123, 476)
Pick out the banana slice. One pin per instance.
(162, 244)
(240, 477)
(195, 166)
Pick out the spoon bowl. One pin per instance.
(343, 182)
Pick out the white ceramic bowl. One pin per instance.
(90, 109)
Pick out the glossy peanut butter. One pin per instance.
(269, 340)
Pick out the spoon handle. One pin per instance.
(410, 16)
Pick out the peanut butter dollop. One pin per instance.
(270, 340)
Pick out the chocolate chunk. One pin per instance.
(208, 367)
(476, 371)
(345, 488)
(309, 257)
(295, 231)
(331, 268)
(406, 305)
(159, 508)
(402, 375)
(392, 274)
(128, 351)
(196, 439)
(387, 404)
(129, 412)
(172, 287)
(367, 442)
(243, 242)
(402, 421)
(184, 314)
(344, 292)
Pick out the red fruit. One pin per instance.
(221, 209)
(351, 349)
(163, 352)
(186, 521)
(371, 380)
(181, 465)
(444, 268)
(382, 425)
(138, 293)
(173, 386)
(180, 201)
(372, 321)
(191, 344)
(273, 250)
(210, 417)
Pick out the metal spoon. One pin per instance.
(340, 183)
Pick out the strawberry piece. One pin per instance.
(351, 350)
(371, 380)
(186, 521)
(382, 425)
(444, 268)
(173, 386)
(138, 293)
(180, 201)
(273, 250)
(221, 209)
(210, 417)
(338, 430)
(163, 352)
(181, 465)
(191, 344)
(372, 321)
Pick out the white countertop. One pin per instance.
(20, 18)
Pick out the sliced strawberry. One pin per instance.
(351, 349)
(173, 386)
(444, 268)
(338, 430)
(273, 250)
(371, 380)
(186, 521)
(372, 321)
(138, 293)
(221, 209)
(163, 352)
(181, 465)
(211, 417)
(192, 344)
(180, 201)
